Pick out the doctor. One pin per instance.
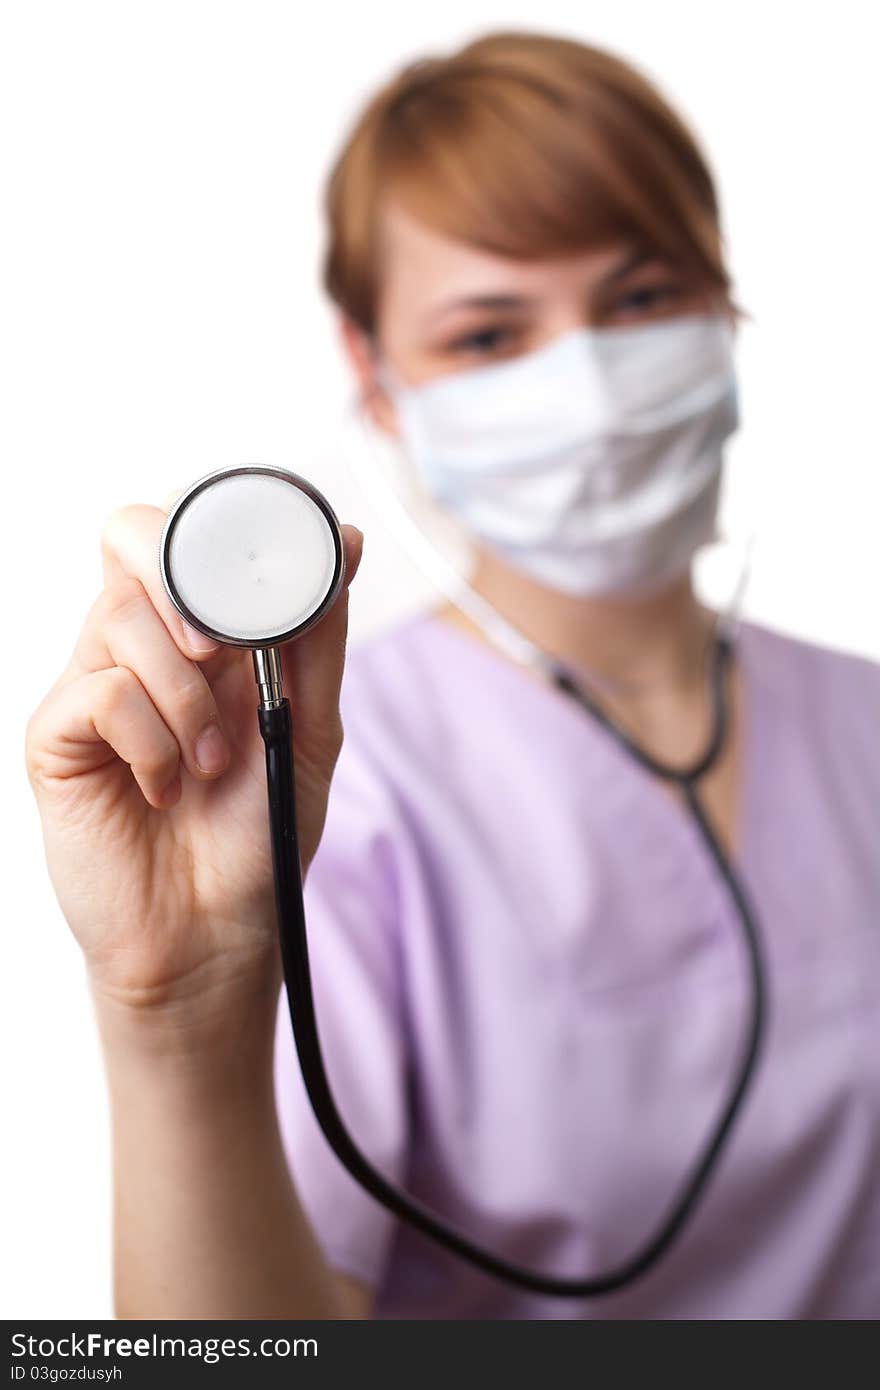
(529, 983)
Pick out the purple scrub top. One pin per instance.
(531, 990)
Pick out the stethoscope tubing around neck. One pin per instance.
(276, 730)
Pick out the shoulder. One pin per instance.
(398, 690)
(391, 708)
(830, 694)
(388, 664)
(788, 661)
(390, 765)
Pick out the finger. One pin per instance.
(354, 549)
(313, 664)
(130, 546)
(80, 725)
(124, 629)
(170, 498)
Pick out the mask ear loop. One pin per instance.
(729, 617)
(426, 556)
(374, 483)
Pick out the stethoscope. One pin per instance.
(253, 556)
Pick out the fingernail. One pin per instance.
(211, 753)
(196, 640)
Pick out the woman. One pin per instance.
(529, 978)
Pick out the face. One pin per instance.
(445, 306)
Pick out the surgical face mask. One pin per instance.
(592, 464)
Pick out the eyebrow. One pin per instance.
(521, 301)
(629, 263)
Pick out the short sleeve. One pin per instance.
(351, 907)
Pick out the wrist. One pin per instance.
(210, 1020)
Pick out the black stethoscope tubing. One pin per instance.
(276, 730)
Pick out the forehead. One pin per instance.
(420, 267)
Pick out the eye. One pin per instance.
(647, 298)
(483, 342)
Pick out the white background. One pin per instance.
(161, 316)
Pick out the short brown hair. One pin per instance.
(526, 145)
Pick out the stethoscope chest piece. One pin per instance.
(252, 555)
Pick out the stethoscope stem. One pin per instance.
(276, 729)
(267, 669)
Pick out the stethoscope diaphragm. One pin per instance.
(251, 555)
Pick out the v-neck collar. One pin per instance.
(668, 811)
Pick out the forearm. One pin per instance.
(207, 1222)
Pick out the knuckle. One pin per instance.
(191, 700)
(33, 746)
(111, 526)
(157, 764)
(116, 689)
(39, 735)
(122, 522)
(124, 596)
(114, 529)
